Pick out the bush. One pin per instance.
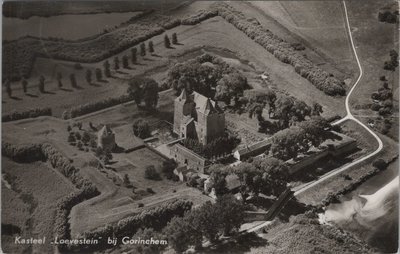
(141, 128)
(151, 173)
(380, 164)
(32, 113)
(78, 66)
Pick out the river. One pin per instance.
(371, 211)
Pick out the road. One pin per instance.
(349, 117)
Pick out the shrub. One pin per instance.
(32, 113)
(151, 173)
(380, 164)
(78, 66)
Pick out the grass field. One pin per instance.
(214, 33)
(373, 40)
(320, 25)
(35, 190)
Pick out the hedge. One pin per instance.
(95, 106)
(156, 218)
(198, 17)
(282, 50)
(32, 113)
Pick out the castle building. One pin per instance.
(106, 138)
(198, 117)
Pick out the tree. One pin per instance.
(231, 86)
(89, 76)
(126, 180)
(85, 137)
(141, 128)
(144, 89)
(208, 221)
(107, 157)
(168, 167)
(59, 80)
(151, 173)
(174, 38)
(78, 136)
(99, 75)
(125, 62)
(107, 71)
(92, 143)
(7, 84)
(151, 47)
(317, 109)
(179, 234)
(71, 138)
(41, 84)
(231, 212)
(147, 233)
(134, 55)
(142, 49)
(79, 145)
(167, 43)
(73, 80)
(24, 84)
(380, 164)
(116, 63)
(218, 180)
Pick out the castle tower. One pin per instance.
(183, 106)
(106, 138)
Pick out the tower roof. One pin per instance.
(184, 95)
(105, 131)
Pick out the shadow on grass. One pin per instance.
(95, 84)
(103, 81)
(142, 64)
(121, 72)
(178, 43)
(48, 92)
(66, 89)
(155, 55)
(15, 98)
(31, 95)
(240, 244)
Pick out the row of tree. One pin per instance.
(209, 221)
(262, 175)
(290, 142)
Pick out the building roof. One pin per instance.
(253, 147)
(203, 104)
(105, 131)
